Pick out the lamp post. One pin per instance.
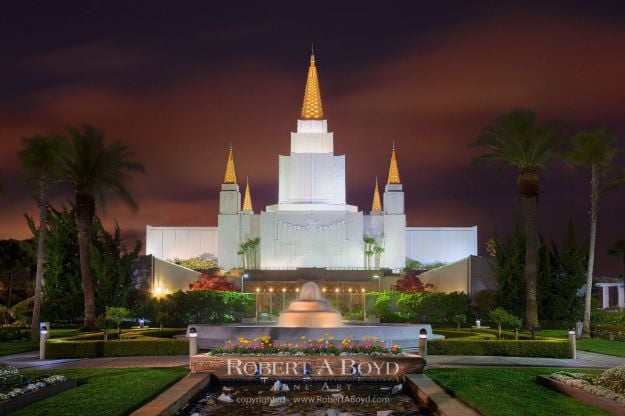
(423, 342)
(573, 343)
(377, 276)
(270, 304)
(364, 306)
(257, 293)
(336, 292)
(192, 341)
(351, 299)
(243, 276)
(283, 297)
(43, 337)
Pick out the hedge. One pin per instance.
(507, 348)
(613, 332)
(123, 348)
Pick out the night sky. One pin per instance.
(177, 81)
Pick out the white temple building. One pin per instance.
(312, 225)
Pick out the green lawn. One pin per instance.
(16, 347)
(509, 392)
(602, 346)
(104, 391)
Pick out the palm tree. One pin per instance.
(593, 151)
(618, 250)
(369, 242)
(40, 162)
(94, 169)
(518, 141)
(253, 247)
(377, 251)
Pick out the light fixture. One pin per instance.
(43, 329)
(192, 332)
(257, 289)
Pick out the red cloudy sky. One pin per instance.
(176, 82)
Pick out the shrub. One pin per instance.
(609, 331)
(508, 348)
(434, 307)
(501, 317)
(162, 333)
(123, 348)
(613, 378)
(14, 334)
(10, 378)
(199, 307)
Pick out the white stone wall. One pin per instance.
(311, 239)
(181, 242)
(446, 244)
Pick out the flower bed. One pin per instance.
(17, 390)
(606, 391)
(308, 347)
(320, 359)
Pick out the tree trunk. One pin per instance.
(528, 184)
(85, 211)
(43, 223)
(594, 207)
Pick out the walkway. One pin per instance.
(31, 360)
(584, 360)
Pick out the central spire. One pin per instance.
(230, 176)
(393, 170)
(312, 108)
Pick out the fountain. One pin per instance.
(310, 310)
(310, 317)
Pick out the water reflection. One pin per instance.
(304, 398)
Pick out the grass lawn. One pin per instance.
(602, 346)
(104, 391)
(16, 347)
(509, 391)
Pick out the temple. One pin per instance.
(312, 225)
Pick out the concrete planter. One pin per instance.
(12, 405)
(610, 406)
(317, 367)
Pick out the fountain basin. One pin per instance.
(404, 335)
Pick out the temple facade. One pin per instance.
(311, 224)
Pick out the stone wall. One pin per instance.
(319, 367)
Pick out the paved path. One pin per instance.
(584, 360)
(31, 360)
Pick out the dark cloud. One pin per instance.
(177, 84)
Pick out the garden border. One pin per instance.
(31, 397)
(599, 402)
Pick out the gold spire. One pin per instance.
(393, 170)
(312, 108)
(376, 206)
(230, 176)
(247, 199)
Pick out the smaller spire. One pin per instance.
(376, 206)
(247, 199)
(393, 170)
(230, 176)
